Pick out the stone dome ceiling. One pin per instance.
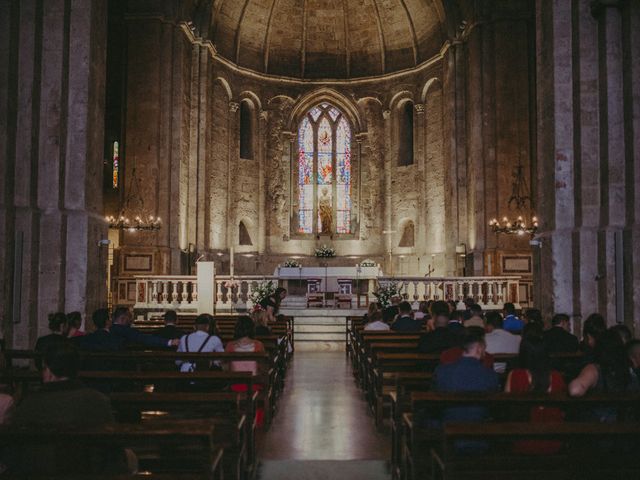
(328, 39)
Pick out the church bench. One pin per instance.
(193, 446)
(418, 438)
(581, 456)
(228, 411)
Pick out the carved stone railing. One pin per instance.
(233, 294)
(489, 292)
(163, 292)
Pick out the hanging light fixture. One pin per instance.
(127, 218)
(519, 200)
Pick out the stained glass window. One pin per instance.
(324, 171)
(116, 162)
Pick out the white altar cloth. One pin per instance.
(328, 276)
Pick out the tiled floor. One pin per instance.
(322, 415)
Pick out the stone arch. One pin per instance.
(223, 82)
(399, 99)
(401, 106)
(251, 97)
(330, 96)
(431, 83)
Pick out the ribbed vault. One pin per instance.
(330, 39)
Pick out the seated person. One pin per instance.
(371, 309)
(405, 321)
(170, 331)
(536, 375)
(376, 323)
(101, 340)
(74, 320)
(468, 374)
(511, 322)
(476, 318)
(558, 339)
(59, 326)
(243, 341)
(121, 328)
(200, 341)
(633, 353)
(441, 338)
(498, 340)
(454, 354)
(423, 311)
(63, 401)
(259, 316)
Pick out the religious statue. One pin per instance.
(325, 211)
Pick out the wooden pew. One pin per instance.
(417, 438)
(193, 443)
(580, 458)
(162, 364)
(230, 412)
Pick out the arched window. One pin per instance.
(246, 131)
(324, 172)
(405, 135)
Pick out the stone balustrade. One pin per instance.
(489, 292)
(233, 294)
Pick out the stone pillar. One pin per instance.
(587, 160)
(233, 128)
(419, 128)
(454, 152)
(163, 107)
(388, 199)
(262, 190)
(52, 84)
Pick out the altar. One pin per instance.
(328, 285)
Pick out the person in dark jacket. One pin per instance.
(170, 331)
(558, 339)
(59, 326)
(63, 401)
(405, 321)
(100, 340)
(442, 338)
(122, 329)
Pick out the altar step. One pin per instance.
(320, 332)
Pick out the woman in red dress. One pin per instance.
(535, 375)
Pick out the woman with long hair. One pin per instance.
(535, 374)
(271, 304)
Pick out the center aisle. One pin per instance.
(322, 428)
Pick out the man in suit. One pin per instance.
(442, 338)
(121, 328)
(170, 331)
(558, 339)
(405, 321)
(101, 340)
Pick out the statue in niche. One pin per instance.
(325, 211)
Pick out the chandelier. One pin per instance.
(141, 220)
(519, 200)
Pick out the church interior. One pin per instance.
(164, 161)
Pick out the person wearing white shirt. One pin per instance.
(199, 341)
(499, 340)
(376, 323)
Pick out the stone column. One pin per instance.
(419, 128)
(455, 151)
(388, 198)
(52, 97)
(262, 191)
(233, 159)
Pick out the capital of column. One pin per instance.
(361, 137)
(264, 115)
(234, 106)
(386, 114)
(289, 136)
(598, 6)
(419, 108)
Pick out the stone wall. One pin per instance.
(52, 81)
(588, 156)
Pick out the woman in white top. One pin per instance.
(201, 340)
(376, 323)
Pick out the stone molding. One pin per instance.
(234, 106)
(419, 108)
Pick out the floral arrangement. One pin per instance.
(291, 263)
(325, 252)
(386, 292)
(263, 290)
(367, 263)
